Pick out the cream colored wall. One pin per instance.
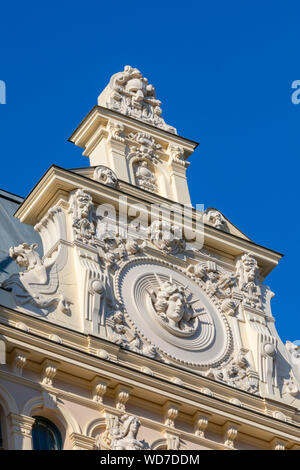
(69, 416)
(80, 419)
(61, 365)
(85, 419)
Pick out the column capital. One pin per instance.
(81, 442)
(21, 431)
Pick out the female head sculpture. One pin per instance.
(124, 434)
(172, 306)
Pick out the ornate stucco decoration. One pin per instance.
(119, 333)
(145, 147)
(225, 285)
(183, 317)
(150, 306)
(218, 284)
(177, 155)
(145, 178)
(37, 284)
(290, 386)
(166, 237)
(216, 219)
(116, 131)
(237, 373)
(293, 354)
(174, 308)
(169, 311)
(113, 248)
(247, 272)
(144, 157)
(90, 230)
(129, 93)
(105, 175)
(82, 210)
(121, 434)
(228, 287)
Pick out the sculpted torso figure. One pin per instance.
(124, 436)
(145, 177)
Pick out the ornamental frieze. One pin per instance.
(143, 303)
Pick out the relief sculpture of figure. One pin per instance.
(105, 175)
(173, 307)
(124, 435)
(37, 284)
(82, 210)
(145, 178)
(216, 219)
(247, 272)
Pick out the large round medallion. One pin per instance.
(173, 313)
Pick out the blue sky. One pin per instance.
(223, 71)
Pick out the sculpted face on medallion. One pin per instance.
(174, 307)
(171, 311)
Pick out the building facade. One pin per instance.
(129, 319)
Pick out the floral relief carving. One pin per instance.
(129, 93)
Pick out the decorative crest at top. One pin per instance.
(129, 93)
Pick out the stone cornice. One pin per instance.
(151, 387)
(57, 183)
(263, 425)
(100, 115)
(40, 331)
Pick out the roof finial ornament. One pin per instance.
(129, 93)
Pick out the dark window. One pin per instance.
(45, 435)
